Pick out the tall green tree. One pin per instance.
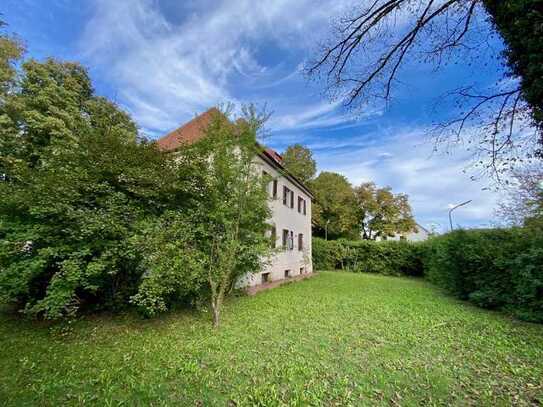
(381, 213)
(223, 238)
(298, 160)
(11, 51)
(77, 181)
(360, 67)
(334, 209)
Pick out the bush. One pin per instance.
(495, 268)
(390, 258)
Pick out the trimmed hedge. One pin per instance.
(389, 257)
(498, 269)
(495, 268)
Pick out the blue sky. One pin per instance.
(166, 60)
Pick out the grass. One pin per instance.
(335, 339)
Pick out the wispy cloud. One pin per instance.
(407, 163)
(182, 66)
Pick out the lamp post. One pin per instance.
(326, 230)
(453, 208)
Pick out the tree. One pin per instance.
(298, 160)
(77, 182)
(222, 238)
(11, 50)
(334, 209)
(382, 213)
(363, 60)
(523, 200)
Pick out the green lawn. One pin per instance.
(338, 338)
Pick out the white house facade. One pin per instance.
(419, 235)
(290, 204)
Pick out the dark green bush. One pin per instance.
(391, 258)
(494, 268)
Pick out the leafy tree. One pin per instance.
(382, 213)
(363, 60)
(298, 160)
(11, 50)
(523, 199)
(77, 183)
(334, 209)
(223, 237)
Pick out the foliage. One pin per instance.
(11, 51)
(174, 266)
(334, 339)
(523, 200)
(382, 213)
(298, 160)
(520, 23)
(496, 268)
(77, 184)
(223, 237)
(389, 258)
(334, 208)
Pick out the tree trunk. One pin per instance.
(216, 311)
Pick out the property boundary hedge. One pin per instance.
(389, 257)
(498, 269)
(495, 268)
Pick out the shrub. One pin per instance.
(391, 258)
(498, 269)
(495, 268)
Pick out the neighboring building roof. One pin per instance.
(194, 130)
(423, 228)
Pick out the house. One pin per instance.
(419, 235)
(290, 204)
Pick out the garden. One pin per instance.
(339, 338)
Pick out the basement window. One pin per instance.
(265, 278)
(287, 273)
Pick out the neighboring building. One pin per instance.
(290, 203)
(419, 235)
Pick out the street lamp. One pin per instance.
(326, 230)
(453, 208)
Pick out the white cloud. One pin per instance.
(168, 69)
(406, 162)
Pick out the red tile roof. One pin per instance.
(188, 133)
(194, 130)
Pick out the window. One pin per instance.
(286, 193)
(291, 241)
(301, 205)
(274, 191)
(266, 177)
(287, 273)
(265, 278)
(291, 199)
(300, 242)
(301, 270)
(285, 239)
(273, 237)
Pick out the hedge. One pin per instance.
(498, 269)
(389, 257)
(495, 268)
